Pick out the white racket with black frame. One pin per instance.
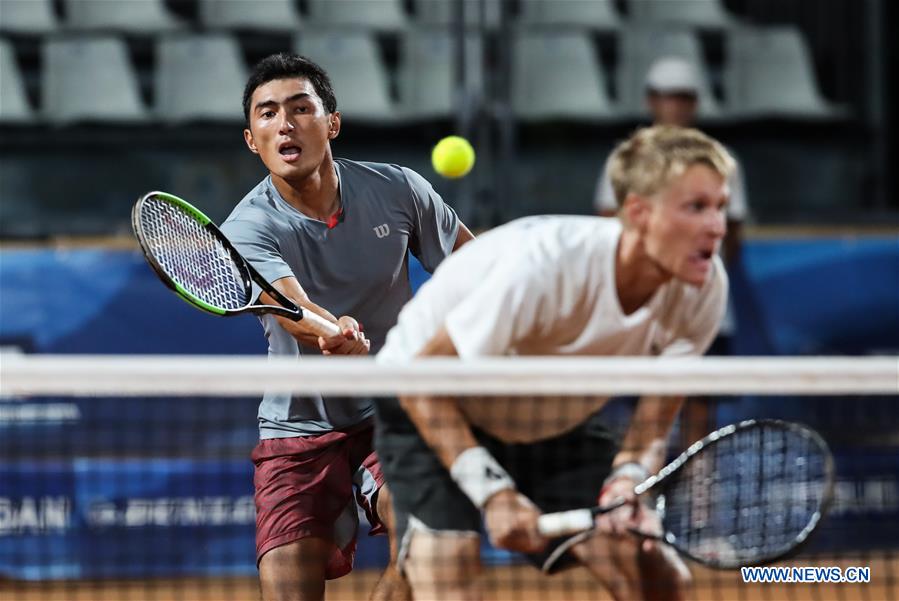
(194, 258)
(747, 494)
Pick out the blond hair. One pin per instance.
(653, 156)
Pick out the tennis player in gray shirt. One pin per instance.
(333, 235)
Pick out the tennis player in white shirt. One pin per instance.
(650, 283)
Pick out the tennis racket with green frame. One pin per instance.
(192, 256)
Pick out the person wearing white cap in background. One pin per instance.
(672, 91)
(672, 96)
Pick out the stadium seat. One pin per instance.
(27, 16)
(427, 72)
(353, 61)
(266, 15)
(378, 15)
(89, 79)
(133, 16)
(770, 72)
(429, 12)
(638, 50)
(592, 14)
(706, 14)
(199, 78)
(556, 75)
(14, 107)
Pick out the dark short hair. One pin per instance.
(285, 65)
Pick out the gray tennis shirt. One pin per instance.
(358, 267)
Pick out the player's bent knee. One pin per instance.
(673, 587)
(664, 574)
(612, 562)
(443, 565)
(295, 571)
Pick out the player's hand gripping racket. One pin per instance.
(195, 259)
(747, 494)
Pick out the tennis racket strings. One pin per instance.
(755, 494)
(191, 255)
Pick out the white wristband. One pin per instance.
(631, 470)
(479, 475)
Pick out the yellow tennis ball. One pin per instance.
(452, 157)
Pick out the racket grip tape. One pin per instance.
(319, 325)
(552, 525)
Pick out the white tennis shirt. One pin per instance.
(546, 286)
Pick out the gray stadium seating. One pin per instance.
(14, 106)
(27, 16)
(378, 15)
(706, 14)
(199, 78)
(483, 13)
(132, 16)
(353, 61)
(89, 79)
(427, 72)
(770, 72)
(264, 15)
(556, 75)
(591, 14)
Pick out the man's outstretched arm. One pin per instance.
(351, 341)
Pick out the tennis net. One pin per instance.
(130, 478)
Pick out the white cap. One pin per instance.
(672, 74)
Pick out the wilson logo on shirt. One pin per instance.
(381, 231)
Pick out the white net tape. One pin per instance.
(156, 375)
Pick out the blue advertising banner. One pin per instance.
(135, 518)
(94, 518)
(818, 296)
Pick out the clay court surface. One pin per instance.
(509, 583)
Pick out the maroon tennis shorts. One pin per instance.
(305, 488)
